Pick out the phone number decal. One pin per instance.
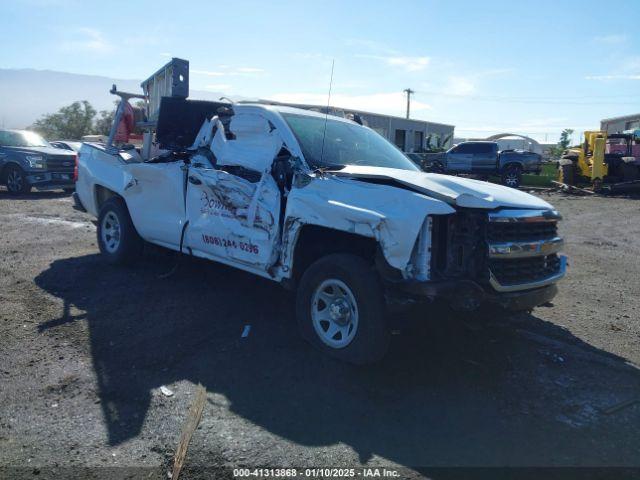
(227, 243)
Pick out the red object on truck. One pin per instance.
(126, 125)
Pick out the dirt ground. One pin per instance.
(86, 347)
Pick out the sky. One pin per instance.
(532, 68)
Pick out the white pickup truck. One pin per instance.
(331, 209)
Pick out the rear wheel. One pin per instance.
(341, 311)
(437, 167)
(118, 239)
(16, 180)
(512, 176)
(630, 171)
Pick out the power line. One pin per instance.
(634, 98)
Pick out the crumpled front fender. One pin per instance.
(391, 215)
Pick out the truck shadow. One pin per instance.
(452, 391)
(33, 195)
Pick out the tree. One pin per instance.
(105, 118)
(104, 121)
(70, 122)
(563, 144)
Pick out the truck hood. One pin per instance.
(461, 192)
(51, 151)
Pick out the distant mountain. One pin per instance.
(27, 94)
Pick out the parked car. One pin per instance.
(330, 209)
(485, 159)
(67, 145)
(27, 160)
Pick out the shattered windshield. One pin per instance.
(21, 139)
(344, 144)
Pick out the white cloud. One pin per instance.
(207, 73)
(612, 77)
(626, 68)
(494, 72)
(218, 87)
(88, 40)
(249, 70)
(459, 86)
(542, 133)
(612, 39)
(393, 58)
(226, 70)
(371, 45)
(166, 54)
(545, 122)
(409, 64)
(311, 56)
(465, 85)
(53, 3)
(393, 103)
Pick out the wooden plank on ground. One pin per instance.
(190, 425)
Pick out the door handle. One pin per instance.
(195, 180)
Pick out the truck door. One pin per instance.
(485, 157)
(459, 158)
(154, 193)
(233, 207)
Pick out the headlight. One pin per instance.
(36, 161)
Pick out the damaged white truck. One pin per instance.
(331, 209)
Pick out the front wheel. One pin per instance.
(16, 180)
(341, 311)
(512, 176)
(118, 239)
(566, 173)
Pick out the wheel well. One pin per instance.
(3, 172)
(512, 164)
(315, 242)
(102, 194)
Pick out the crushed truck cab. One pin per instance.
(331, 209)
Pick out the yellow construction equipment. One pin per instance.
(596, 163)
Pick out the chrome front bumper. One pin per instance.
(526, 248)
(498, 287)
(524, 216)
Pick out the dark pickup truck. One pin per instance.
(484, 158)
(27, 160)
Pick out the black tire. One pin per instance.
(437, 167)
(15, 180)
(567, 173)
(370, 339)
(512, 176)
(630, 172)
(118, 239)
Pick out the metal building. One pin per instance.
(620, 124)
(409, 135)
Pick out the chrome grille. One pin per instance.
(516, 231)
(523, 249)
(61, 163)
(520, 270)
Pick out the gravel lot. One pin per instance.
(86, 348)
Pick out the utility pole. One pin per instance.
(409, 92)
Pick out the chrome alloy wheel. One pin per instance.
(334, 313)
(15, 181)
(110, 232)
(511, 179)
